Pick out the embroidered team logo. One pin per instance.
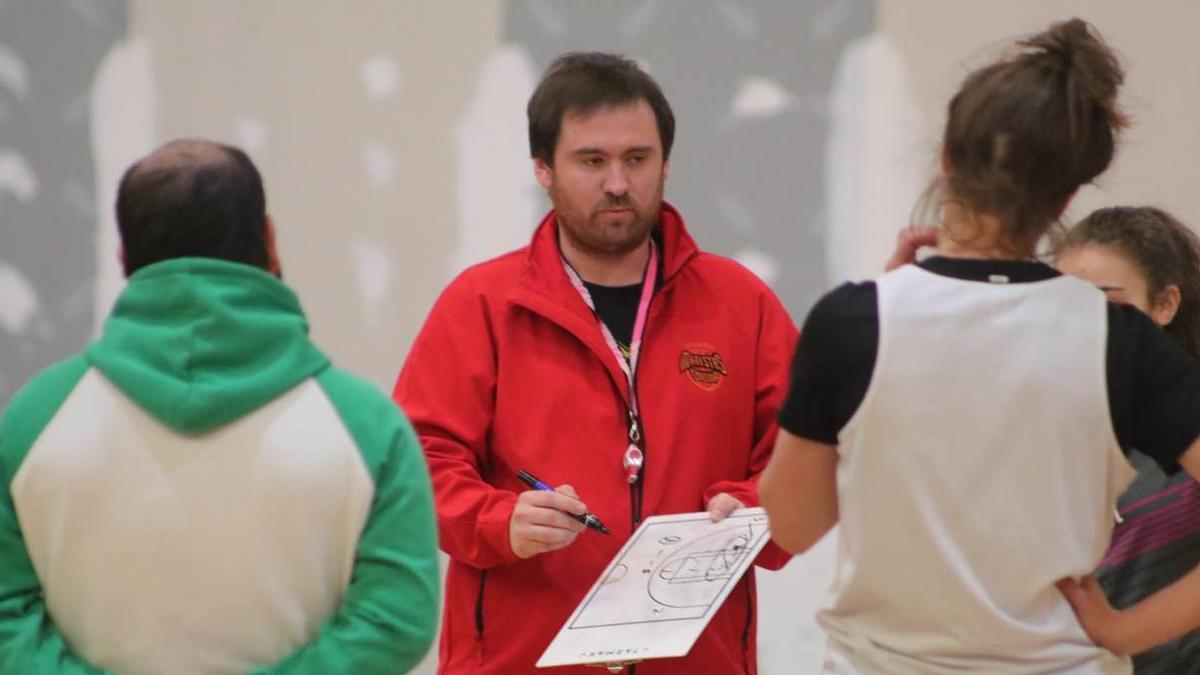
(703, 365)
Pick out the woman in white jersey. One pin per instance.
(963, 419)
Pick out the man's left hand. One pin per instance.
(722, 505)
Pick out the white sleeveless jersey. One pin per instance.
(981, 467)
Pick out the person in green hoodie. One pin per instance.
(200, 491)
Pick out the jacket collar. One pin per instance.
(544, 274)
(545, 289)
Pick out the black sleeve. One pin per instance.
(1153, 388)
(833, 363)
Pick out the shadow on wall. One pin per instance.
(49, 54)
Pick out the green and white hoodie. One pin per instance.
(201, 492)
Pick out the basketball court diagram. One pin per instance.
(678, 572)
(659, 592)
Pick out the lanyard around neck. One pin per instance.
(639, 325)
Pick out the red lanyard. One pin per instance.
(633, 458)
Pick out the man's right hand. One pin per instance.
(539, 523)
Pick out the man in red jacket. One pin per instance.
(610, 355)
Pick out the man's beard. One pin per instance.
(596, 238)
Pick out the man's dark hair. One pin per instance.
(192, 198)
(581, 82)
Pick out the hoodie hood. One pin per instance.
(199, 342)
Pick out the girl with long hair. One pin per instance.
(964, 419)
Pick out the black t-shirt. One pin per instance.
(617, 307)
(1153, 385)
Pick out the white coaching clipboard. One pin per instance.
(660, 591)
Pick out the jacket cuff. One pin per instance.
(493, 530)
(745, 491)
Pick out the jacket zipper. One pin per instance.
(636, 490)
(749, 623)
(479, 605)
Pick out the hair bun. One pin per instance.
(1077, 49)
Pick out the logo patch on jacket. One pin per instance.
(703, 365)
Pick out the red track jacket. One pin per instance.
(512, 372)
